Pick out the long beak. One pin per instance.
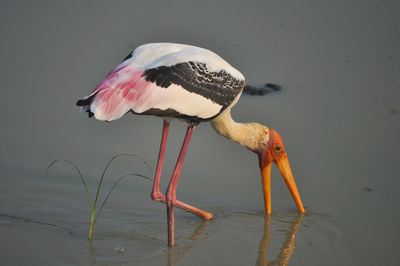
(286, 172)
(266, 186)
(284, 168)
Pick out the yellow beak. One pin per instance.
(284, 167)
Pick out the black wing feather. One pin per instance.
(220, 87)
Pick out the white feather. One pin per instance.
(125, 88)
(153, 55)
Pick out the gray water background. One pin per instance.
(338, 113)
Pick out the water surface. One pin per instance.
(338, 113)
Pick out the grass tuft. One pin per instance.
(93, 206)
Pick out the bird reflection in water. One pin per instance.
(287, 248)
(176, 253)
(286, 251)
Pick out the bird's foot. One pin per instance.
(158, 196)
(203, 214)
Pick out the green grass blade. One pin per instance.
(113, 187)
(91, 225)
(105, 170)
(94, 205)
(92, 222)
(80, 175)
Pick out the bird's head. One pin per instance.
(271, 150)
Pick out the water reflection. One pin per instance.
(286, 251)
(92, 255)
(175, 253)
(287, 248)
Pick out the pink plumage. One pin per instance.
(165, 79)
(117, 94)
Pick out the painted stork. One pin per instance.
(193, 85)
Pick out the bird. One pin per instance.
(193, 85)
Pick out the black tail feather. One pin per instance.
(269, 87)
(86, 100)
(85, 103)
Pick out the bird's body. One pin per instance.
(169, 80)
(194, 85)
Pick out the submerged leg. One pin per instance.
(171, 190)
(157, 195)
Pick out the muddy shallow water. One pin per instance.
(338, 113)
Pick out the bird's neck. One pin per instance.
(249, 135)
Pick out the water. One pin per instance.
(338, 114)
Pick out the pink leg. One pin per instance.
(171, 190)
(156, 193)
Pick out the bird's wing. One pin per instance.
(218, 87)
(186, 89)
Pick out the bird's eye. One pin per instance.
(278, 148)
